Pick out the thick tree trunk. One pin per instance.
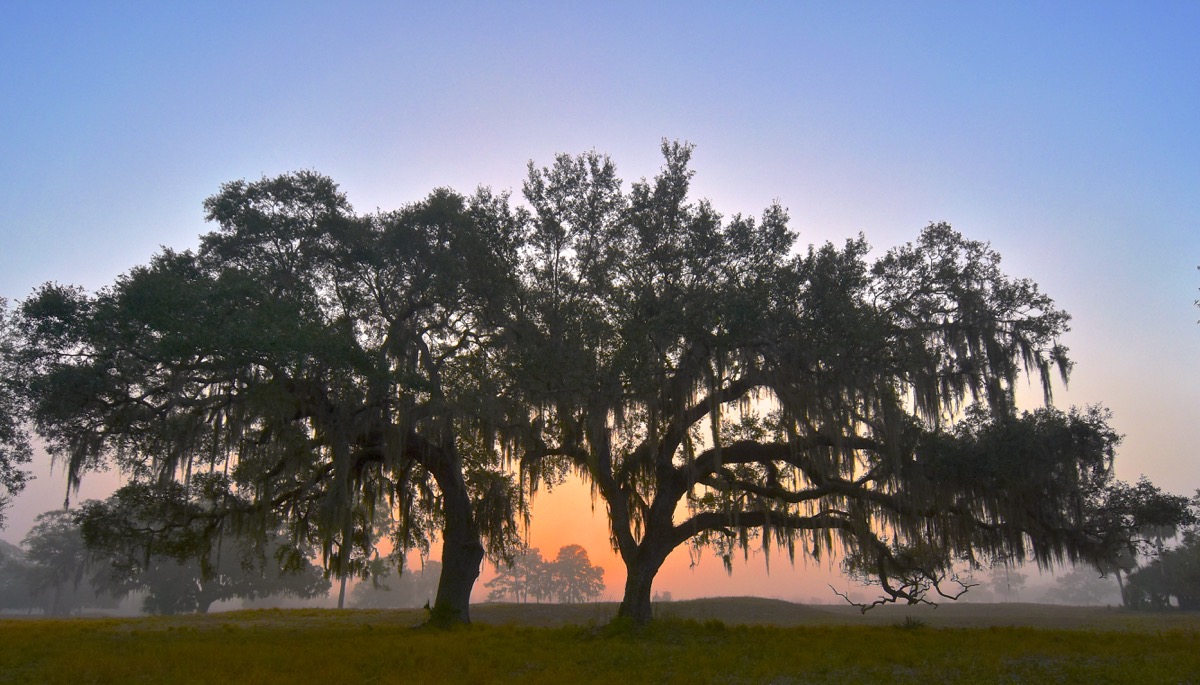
(640, 573)
(462, 555)
(462, 545)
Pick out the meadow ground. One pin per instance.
(730, 640)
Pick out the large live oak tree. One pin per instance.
(329, 366)
(718, 388)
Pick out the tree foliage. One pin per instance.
(575, 578)
(1134, 517)
(61, 574)
(15, 449)
(310, 366)
(16, 577)
(327, 366)
(523, 577)
(1172, 573)
(1134, 521)
(235, 570)
(814, 401)
(159, 541)
(1083, 586)
(569, 578)
(56, 549)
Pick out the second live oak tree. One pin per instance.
(811, 402)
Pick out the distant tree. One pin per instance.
(60, 558)
(1172, 573)
(16, 577)
(574, 578)
(525, 576)
(570, 578)
(15, 449)
(1134, 520)
(174, 587)
(812, 402)
(1083, 586)
(1006, 581)
(63, 574)
(157, 540)
(411, 589)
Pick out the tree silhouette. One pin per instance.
(16, 578)
(813, 402)
(1134, 520)
(329, 367)
(174, 587)
(1171, 573)
(1083, 586)
(570, 578)
(526, 576)
(330, 364)
(158, 541)
(575, 579)
(62, 572)
(1006, 581)
(15, 449)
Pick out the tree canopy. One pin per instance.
(59, 570)
(813, 400)
(569, 578)
(1171, 573)
(14, 438)
(314, 368)
(164, 543)
(327, 366)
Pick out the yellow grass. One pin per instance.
(701, 644)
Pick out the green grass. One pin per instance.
(322, 646)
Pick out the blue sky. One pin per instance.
(1066, 134)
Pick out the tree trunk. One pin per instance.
(461, 559)
(462, 555)
(640, 572)
(342, 590)
(462, 546)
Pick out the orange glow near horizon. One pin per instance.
(567, 515)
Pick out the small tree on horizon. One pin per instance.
(570, 578)
(523, 577)
(574, 578)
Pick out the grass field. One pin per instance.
(703, 641)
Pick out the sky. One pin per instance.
(1065, 134)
